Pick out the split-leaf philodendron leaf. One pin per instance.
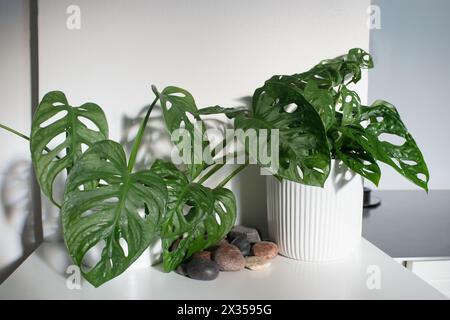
(304, 155)
(123, 212)
(197, 217)
(69, 124)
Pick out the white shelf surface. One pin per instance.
(38, 278)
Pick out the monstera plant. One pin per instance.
(106, 201)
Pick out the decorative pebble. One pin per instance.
(265, 249)
(242, 244)
(251, 233)
(256, 263)
(181, 269)
(202, 269)
(229, 258)
(202, 255)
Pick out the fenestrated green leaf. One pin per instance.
(197, 217)
(304, 155)
(323, 101)
(176, 104)
(48, 165)
(229, 112)
(356, 156)
(125, 205)
(382, 124)
(351, 106)
(333, 72)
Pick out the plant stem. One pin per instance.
(23, 136)
(214, 169)
(232, 174)
(17, 133)
(139, 136)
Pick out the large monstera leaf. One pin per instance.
(197, 217)
(69, 123)
(304, 154)
(123, 212)
(386, 138)
(179, 109)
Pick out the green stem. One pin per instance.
(232, 175)
(139, 137)
(17, 133)
(23, 136)
(214, 169)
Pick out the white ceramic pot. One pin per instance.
(316, 224)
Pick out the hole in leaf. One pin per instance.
(290, 108)
(186, 209)
(365, 124)
(396, 162)
(222, 207)
(392, 139)
(421, 177)
(88, 123)
(318, 170)
(218, 220)
(112, 200)
(300, 172)
(84, 147)
(92, 256)
(380, 119)
(174, 245)
(348, 98)
(178, 94)
(56, 141)
(409, 162)
(190, 117)
(366, 57)
(87, 213)
(124, 245)
(141, 213)
(168, 105)
(57, 104)
(54, 118)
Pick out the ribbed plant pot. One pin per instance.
(316, 224)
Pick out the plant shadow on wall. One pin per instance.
(17, 221)
(115, 200)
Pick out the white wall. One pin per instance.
(219, 50)
(15, 111)
(412, 72)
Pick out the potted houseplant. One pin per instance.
(328, 142)
(109, 204)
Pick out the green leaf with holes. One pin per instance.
(229, 112)
(323, 101)
(197, 217)
(390, 142)
(304, 155)
(180, 111)
(333, 72)
(69, 124)
(125, 207)
(356, 154)
(350, 106)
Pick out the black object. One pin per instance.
(370, 201)
(242, 244)
(202, 269)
